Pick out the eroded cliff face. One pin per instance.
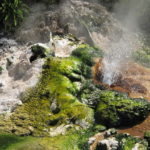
(89, 21)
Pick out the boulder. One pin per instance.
(116, 109)
(124, 141)
(40, 51)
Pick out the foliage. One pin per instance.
(1, 69)
(47, 2)
(127, 142)
(147, 136)
(9, 142)
(87, 53)
(143, 56)
(73, 140)
(12, 13)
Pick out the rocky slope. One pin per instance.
(53, 90)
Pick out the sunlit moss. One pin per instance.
(53, 100)
(114, 109)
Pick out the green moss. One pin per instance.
(147, 136)
(142, 56)
(70, 67)
(89, 93)
(115, 110)
(99, 128)
(123, 141)
(87, 53)
(127, 142)
(52, 102)
(11, 142)
(73, 140)
(1, 70)
(40, 51)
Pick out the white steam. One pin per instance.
(119, 51)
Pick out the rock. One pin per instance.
(4, 42)
(54, 107)
(40, 51)
(130, 85)
(78, 85)
(115, 110)
(17, 71)
(99, 128)
(147, 137)
(117, 141)
(64, 45)
(31, 128)
(21, 131)
(59, 130)
(91, 140)
(129, 142)
(14, 106)
(110, 132)
(9, 62)
(108, 144)
(1, 84)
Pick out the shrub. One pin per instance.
(12, 13)
(143, 56)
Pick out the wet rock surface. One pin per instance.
(110, 140)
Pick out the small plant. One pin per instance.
(12, 13)
(1, 69)
(142, 56)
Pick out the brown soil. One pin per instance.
(134, 80)
(137, 130)
(99, 137)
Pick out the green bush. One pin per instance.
(143, 56)
(47, 2)
(12, 13)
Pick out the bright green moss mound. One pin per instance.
(52, 102)
(114, 109)
(87, 53)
